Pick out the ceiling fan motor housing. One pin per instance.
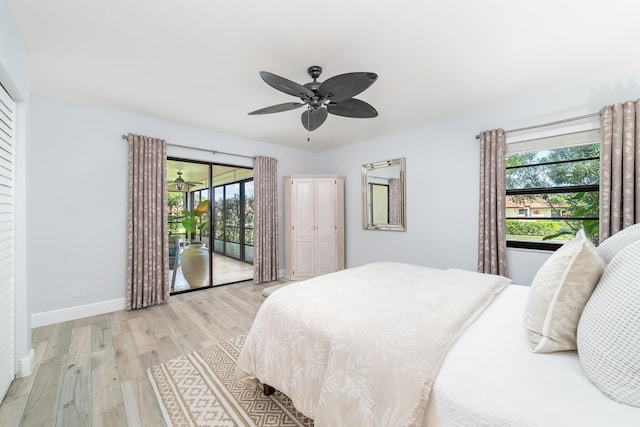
(316, 100)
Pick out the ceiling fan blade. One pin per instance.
(345, 86)
(352, 108)
(278, 108)
(313, 118)
(284, 85)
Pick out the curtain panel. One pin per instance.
(492, 239)
(619, 167)
(148, 239)
(395, 201)
(265, 233)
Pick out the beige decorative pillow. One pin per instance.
(559, 292)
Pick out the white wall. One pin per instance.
(442, 176)
(14, 75)
(437, 172)
(77, 205)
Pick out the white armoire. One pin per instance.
(314, 225)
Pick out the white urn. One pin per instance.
(195, 265)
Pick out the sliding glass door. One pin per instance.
(210, 224)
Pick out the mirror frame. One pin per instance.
(367, 168)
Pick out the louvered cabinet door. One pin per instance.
(7, 281)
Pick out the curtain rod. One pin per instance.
(571, 119)
(214, 152)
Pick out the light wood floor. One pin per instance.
(92, 371)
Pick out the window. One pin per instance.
(248, 221)
(233, 219)
(176, 202)
(552, 190)
(196, 197)
(379, 203)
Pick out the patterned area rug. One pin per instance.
(199, 389)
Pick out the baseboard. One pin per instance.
(27, 364)
(77, 312)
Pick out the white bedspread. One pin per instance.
(362, 347)
(492, 378)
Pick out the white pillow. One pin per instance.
(609, 329)
(613, 244)
(559, 292)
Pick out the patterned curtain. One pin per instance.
(148, 239)
(265, 232)
(619, 167)
(492, 238)
(395, 201)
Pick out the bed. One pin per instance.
(363, 347)
(491, 378)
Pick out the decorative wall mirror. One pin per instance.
(384, 196)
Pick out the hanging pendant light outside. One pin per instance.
(179, 182)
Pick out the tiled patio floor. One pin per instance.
(225, 270)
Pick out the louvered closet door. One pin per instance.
(7, 291)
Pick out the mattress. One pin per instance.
(491, 378)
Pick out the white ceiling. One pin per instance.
(197, 61)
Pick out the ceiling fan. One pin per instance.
(335, 95)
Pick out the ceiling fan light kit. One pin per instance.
(333, 96)
(179, 182)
